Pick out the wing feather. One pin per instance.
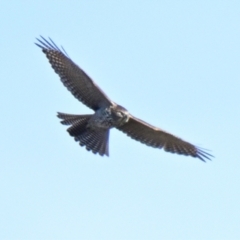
(73, 77)
(157, 138)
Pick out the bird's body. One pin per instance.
(92, 130)
(106, 118)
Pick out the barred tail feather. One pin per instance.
(69, 119)
(94, 140)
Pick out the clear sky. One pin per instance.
(176, 65)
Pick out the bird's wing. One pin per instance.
(157, 138)
(73, 77)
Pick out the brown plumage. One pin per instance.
(92, 130)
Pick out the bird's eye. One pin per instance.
(119, 114)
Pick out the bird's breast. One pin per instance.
(102, 119)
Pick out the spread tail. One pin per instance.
(94, 140)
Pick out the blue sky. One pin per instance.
(175, 64)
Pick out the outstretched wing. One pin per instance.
(157, 138)
(73, 77)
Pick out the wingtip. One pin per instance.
(49, 44)
(203, 155)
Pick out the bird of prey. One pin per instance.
(92, 130)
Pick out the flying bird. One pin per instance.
(92, 130)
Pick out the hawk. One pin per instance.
(92, 130)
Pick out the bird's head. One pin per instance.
(119, 114)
